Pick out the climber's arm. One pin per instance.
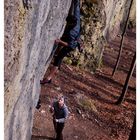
(71, 43)
(60, 42)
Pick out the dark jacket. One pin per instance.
(73, 34)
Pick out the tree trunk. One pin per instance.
(132, 135)
(122, 39)
(127, 80)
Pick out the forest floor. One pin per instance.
(91, 97)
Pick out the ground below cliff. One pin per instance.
(90, 98)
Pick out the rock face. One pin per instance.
(101, 21)
(29, 39)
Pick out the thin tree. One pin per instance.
(122, 39)
(125, 87)
(132, 135)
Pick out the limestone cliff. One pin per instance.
(29, 39)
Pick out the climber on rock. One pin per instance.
(60, 114)
(69, 40)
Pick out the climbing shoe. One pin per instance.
(38, 104)
(45, 81)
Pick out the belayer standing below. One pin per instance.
(60, 114)
(69, 40)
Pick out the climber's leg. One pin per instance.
(62, 53)
(57, 62)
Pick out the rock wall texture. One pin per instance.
(29, 39)
(101, 21)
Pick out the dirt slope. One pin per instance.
(90, 98)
